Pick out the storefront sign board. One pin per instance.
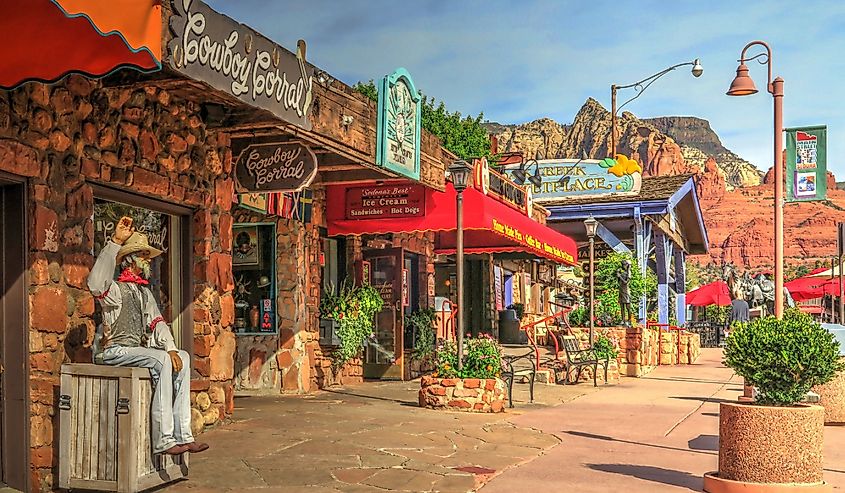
(806, 163)
(399, 122)
(497, 284)
(228, 56)
(276, 167)
(564, 179)
(517, 236)
(385, 201)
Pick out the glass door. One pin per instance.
(383, 356)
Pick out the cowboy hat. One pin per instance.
(137, 243)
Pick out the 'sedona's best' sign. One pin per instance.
(276, 167)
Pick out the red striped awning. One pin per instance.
(489, 225)
(46, 40)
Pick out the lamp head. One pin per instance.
(460, 171)
(697, 69)
(584, 155)
(535, 178)
(742, 84)
(592, 225)
(518, 176)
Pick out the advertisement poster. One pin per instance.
(497, 284)
(806, 163)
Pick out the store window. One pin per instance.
(254, 270)
(168, 270)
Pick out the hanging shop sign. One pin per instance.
(276, 167)
(497, 287)
(228, 56)
(500, 187)
(806, 163)
(563, 179)
(385, 201)
(399, 119)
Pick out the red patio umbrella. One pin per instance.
(714, 293)
(810, 287)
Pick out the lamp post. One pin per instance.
(639, 87)
(460, 170)
(592, 225)
(742, 85)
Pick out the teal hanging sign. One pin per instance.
(806, 163)
(399, 118)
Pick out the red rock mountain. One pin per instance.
(736, 198)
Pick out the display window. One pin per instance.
(254, 270)
(167, 271)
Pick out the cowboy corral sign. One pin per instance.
(231, 57)
(399, 117)
(276, 167)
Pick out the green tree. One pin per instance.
(607, 287)
(463, 136)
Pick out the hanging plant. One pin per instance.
(354, 308)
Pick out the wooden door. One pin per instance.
(14, 346)
(383, 357)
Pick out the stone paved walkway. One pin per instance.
(366, 438)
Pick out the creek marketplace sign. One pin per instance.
(563, 179)
(230, 57)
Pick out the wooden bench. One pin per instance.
(519, 365)
(577, 358)
(104, 431)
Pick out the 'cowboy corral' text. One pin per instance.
(282, 164)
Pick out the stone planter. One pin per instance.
(768, 449)
(832, 399)
(463, 394)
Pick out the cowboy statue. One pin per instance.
(133, 333)
(624, 277)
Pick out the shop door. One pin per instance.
(14, 411)
(383, 357)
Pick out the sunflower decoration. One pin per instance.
(402, 114)
(626, 169)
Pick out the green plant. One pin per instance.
(605, 348)
(519, 308)
(579, 317)
(783, 358)
(421, 322)
(482, 359)
(354, 309)
(608, 311)
(466, 137)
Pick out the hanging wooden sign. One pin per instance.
(276, 167)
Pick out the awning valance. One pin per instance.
(48, 39)
(489, 226)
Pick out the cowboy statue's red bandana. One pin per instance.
(129, 276)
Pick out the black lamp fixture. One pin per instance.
(459, 171)
(519, 176)
(565, 176)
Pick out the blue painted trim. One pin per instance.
(608, 210)
(675, 199)
(611, 239)
(381, 146)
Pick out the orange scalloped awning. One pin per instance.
(46, 40)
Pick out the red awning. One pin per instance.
(489, 226)
(715, 293)
(46, 40)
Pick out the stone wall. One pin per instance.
(467, 394)
(64, 138)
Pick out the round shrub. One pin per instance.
(784, 358)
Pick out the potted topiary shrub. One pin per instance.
(419, 325)
(351, 311)
(775, 442)
(476, 387)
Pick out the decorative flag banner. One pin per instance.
(806, 163)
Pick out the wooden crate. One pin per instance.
(104, 426)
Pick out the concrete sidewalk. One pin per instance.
(658, 433)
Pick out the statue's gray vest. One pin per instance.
(128, 329)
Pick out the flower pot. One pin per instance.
(480, 395)
(769, 449)
(832, 399)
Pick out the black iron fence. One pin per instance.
(711, 333)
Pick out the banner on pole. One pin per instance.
(806, 163)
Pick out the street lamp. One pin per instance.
(520, 175)
(460, 170)
(639, 87)
(742, 85)
(592, 226)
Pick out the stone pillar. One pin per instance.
(680, 286)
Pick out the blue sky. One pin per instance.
(519, 61)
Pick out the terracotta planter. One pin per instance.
(463, 394)
(832, 399)
(769, 449)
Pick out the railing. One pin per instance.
(531, 334)
(448, 322)
(669, 328)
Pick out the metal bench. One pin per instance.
(577, 358)
(519, 365)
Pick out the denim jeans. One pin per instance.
(170, 413)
